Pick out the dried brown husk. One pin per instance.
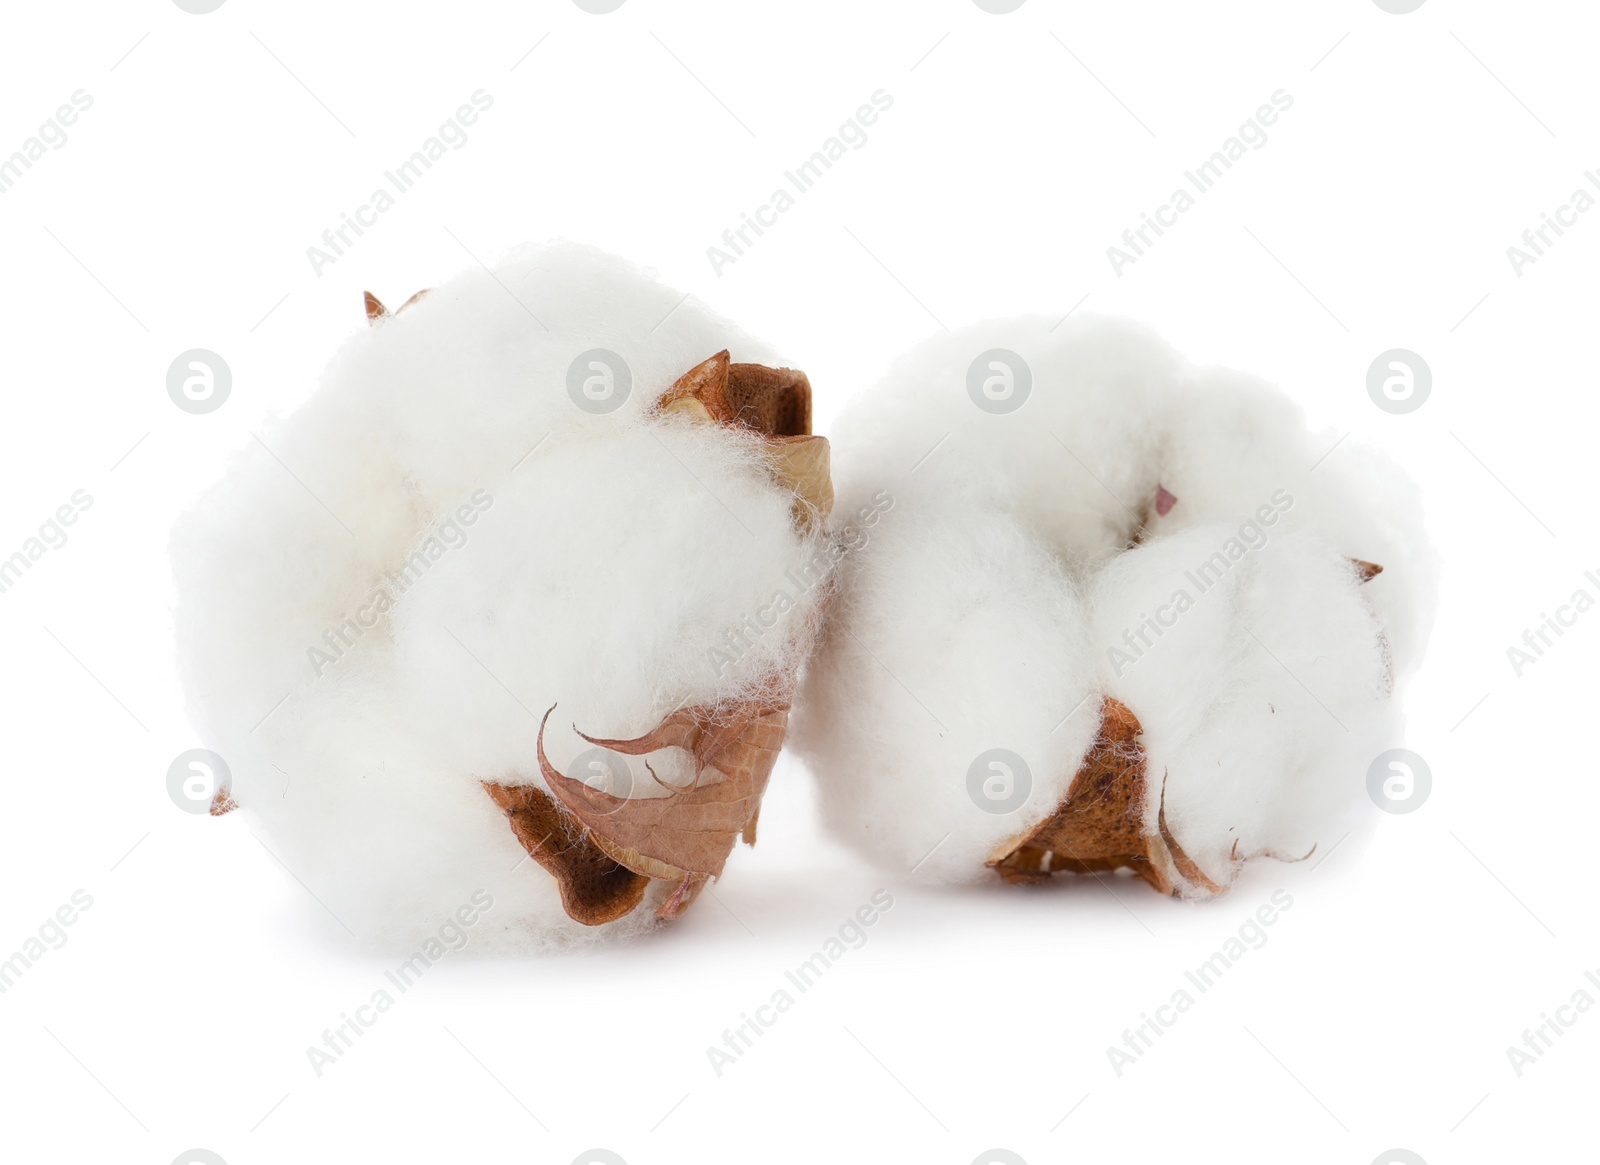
(1103, 824)
(594, 888)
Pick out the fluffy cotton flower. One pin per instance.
(382, 599)
(1108, 610)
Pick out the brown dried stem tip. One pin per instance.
(376, 311)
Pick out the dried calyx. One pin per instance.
(604, 850)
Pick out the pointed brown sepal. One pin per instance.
(775, 402)
(376, 311)
(594, 888)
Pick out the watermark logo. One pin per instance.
(1399, 381)
(199, 1156)
(851, 135)
(1251, 135)
(452, 936)
(52, 135)
(598, 1156)
(1536, 240)
(401, 180)
(999, 781)
(1251, 536)
(1399, 1156)
(1538, 1040)
(1251, 935)
(603, 771)
(999, 381)
(51, 535)
(744, 636)
(1000, 8)
(1537, 640)
(849, 935)
(1399, 781)
(600, 8)
(1401, 8)
(199, 781)
(999, 1156)
(51, 935)
(599, 381)
(198, 381)
(450, 533)
(201, 8)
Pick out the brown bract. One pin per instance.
(1103, 824)
(773, 402)
(686, 835)
(594, 888)
(603, 849)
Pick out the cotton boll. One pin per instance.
(1260, 677)
(1175, 738)
(394, 583)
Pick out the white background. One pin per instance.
(1019, 147)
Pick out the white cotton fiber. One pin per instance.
(1264, 702)
(1026, 573)
(954, 633)
(389, 589)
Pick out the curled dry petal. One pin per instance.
(704, 736)
(690, 832)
